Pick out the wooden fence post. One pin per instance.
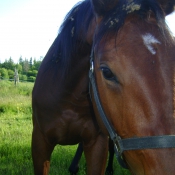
(16, 77)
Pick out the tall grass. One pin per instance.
(15, 128)
(15, 136)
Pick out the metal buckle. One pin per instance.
(118, 145)
(92, 66)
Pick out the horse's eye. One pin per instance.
(107, 74)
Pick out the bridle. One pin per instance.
(121, 145)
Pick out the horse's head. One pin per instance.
(134, 56)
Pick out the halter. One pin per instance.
(121, 145)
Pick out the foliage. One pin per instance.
(15, 135)
(8, 64)
(31, 79)
(23, 77)
(19, 68)
(10, 73)
(4, 73)
(27, 69)
(32, 73)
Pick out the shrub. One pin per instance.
(32, 73)
(23, 78)
(4, 73)
(11, 74)
(31, 79)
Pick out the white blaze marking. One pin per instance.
(148, 40)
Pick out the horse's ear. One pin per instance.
(167, 5)
(103, 6)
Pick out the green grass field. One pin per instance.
(15, 136)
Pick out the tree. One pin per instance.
(31, 79)
(36, 64)
(22, 77)
(35, 72)
(27, 69)
(11, 74)
(31, 62)
(4, 73)
(19, 67)
(20, 60)
(32, 73)
(8, 64)
(25, 66)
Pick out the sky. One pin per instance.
(29, 27)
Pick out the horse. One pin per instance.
(74, 166)
(62, 110)
(132, 82)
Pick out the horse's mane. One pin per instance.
(115, 18)
(71, 36)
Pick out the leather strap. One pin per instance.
(151, 142)
(137, 143)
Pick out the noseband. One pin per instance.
(121, 145)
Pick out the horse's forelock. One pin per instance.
(114, 19)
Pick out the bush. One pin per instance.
(11, 74)
(31, 79)
(4, 73)
(23, 78)
(32, 73)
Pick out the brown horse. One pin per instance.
(62, 111)
(132, 75)
(74, 166)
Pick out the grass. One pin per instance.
(15, 136)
